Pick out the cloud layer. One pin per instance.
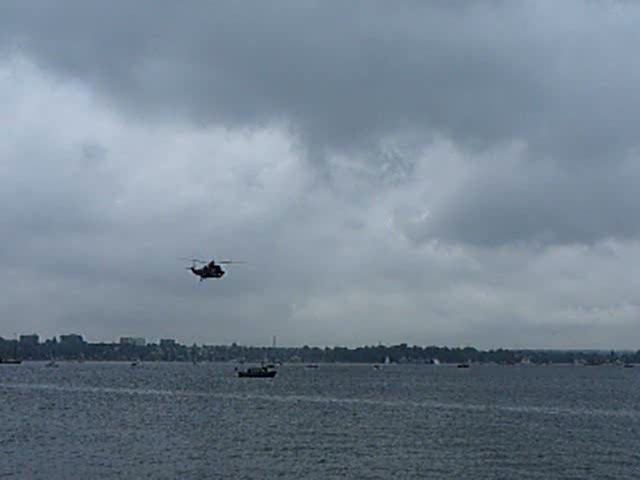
(429, 173)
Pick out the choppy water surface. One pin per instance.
(183, 421)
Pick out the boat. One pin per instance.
(463, 365)
(263, 371)
(311, 365)
(52, 364)
(10, 361)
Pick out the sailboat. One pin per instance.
(387, 361)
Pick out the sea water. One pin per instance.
(184, 421)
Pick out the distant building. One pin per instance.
(71, 340)
(134, 341)
(29, 340)
(167, 342)
(69, 346)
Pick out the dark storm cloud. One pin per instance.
(558, 77)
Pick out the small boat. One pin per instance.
(52, 364)
(311, 365)
(10, 361)
(463, 365)
(263, 371)
(628, 365)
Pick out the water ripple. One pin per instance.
(317, 399)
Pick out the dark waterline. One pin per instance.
(108, 420)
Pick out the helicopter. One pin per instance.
(210, 268)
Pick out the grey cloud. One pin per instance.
(558, 76)
(149, 132)
(537, 204)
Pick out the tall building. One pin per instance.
(70, 346)
(71, 340)
(29, 340)
(134, 341)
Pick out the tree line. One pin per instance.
(78, 349)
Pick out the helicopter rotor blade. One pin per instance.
(194, 260)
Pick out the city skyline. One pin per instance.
(149, 340)
(73, 347)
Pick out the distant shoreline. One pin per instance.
(74, 347)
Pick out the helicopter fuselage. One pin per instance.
(209, 269)
(208, 272)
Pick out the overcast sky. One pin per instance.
(445, 172)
